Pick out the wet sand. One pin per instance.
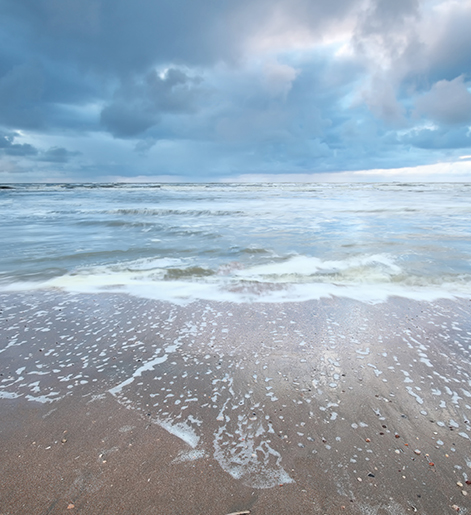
(111, 404)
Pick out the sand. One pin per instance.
(111, 404)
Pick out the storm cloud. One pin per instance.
(210, 90)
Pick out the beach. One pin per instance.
(117, 404)
(235, 257)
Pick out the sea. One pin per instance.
(238, 242)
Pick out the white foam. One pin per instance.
(417, 397)
(379, 267)
(146, 366)
(43, 399)
(193, 455)
(370, 279)
(182, 430)
(8, 395)
(426, 361)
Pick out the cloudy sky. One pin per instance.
(209, 90)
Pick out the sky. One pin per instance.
(235, 90)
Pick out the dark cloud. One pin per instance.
(53, 155)
(438, 138)
(117, 36)
(24, 149)
(21, 90)
(124, 121)
(139, 103)
(297, 85)
(57, 155)
(6, 139)
(8, 147)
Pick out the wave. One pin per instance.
(374, 268)
(174, 212)
(371, 278)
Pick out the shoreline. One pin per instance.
(210, 407)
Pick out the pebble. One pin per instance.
(460, 484)
(464, 492)
(456, 507)
(417, 452)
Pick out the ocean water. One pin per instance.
(239, 242)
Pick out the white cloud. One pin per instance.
(380, 97)
(447, 102)
(438, 172)
(297, 25)
(278, 78)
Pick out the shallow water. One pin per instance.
(239, 242)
